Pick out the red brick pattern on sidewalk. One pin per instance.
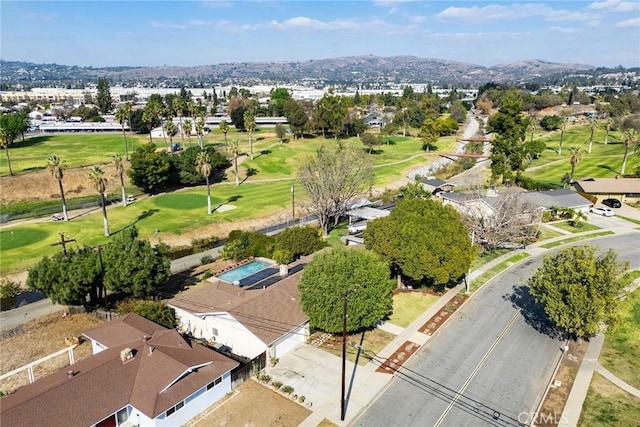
(401, 355)
(443, 314)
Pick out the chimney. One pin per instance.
(151, 348)
(70, 374)
(146, 338)
(126, 355)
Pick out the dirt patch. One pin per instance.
(556, 398)
(443, 314)
(41, 337)
(253, 405)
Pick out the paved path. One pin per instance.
(617, 381)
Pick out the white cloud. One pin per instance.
(390, 3)
(217, 4)
(563, 30)
(634, 22)
(306, 23)
(168, 26)
(43, 17)
(478, 36)
(418, 19)
(615, 5)
(494, 12)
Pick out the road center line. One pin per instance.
(479, 366)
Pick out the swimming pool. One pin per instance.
(247, 273)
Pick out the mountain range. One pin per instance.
(369, 69)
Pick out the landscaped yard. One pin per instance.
(621, 351)
(547, 233)
(584, 226)
(407, 306)
(576, 239)
(608, 405)
(496, 269)
(373, 340)
(488, 256)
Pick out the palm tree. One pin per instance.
(575, 155)
(187, 127)
(122, 115)
(200, 130)
(562, 127)
(235, 151)
(224, 128)
(608, 127)
(99, 183)
(533, 125)
(168, 128)
(592, 125)
(117, 162)
(57, 166)
(203, 165)
(630, 138)
(250, 126)
(179, 106)
(147, 117)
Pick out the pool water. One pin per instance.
(246, 270)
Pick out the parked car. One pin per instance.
(357, 227)
(602, 211)
(612, 203)
(131, 198)
(56, 217)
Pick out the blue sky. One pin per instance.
(148, 33)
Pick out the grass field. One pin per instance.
(604, 161)
(607, 405)
(407, 306)
(584, 226)
(576, 239)
(547, 233)
(621, 350)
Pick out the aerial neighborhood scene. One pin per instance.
(381, 213)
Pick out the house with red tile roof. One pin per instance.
(264, 322)
(146, 376)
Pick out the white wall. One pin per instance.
(286, 343)
(231, 333)
(194, 405)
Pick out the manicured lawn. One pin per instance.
(607, 405)
(547, 233)
(486, 257)
(576, 239)
(407, 306)
(495, 270)
(621, 351)
(584, 226)
(635, 221)
(373, 340)
(335, 235)
(604, 161)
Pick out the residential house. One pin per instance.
(435, 186)
(561, 198)
(145, 375)
(627, 190)
(251, 323)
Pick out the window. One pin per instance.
(173, 409)
(122, 416)
(214, 332)
(214, 383)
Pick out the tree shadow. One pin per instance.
(609, 168)
(144, 215)
(234, 198)
(29, 142)
(532, 311)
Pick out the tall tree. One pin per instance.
(122, 115)
(563, 126)
(296, 116)
(203, 165)
(629, 138)
(280, 132)
(224, 128)
(355, 274)
(200, 131)
(578, 289)
(333, 177)
(575, 155)
(149, 169)
(12, 125)
(119, 166)
(592, 126)
(424, 242)
(250, 126)
(103, 97)
(235, 151)
(608, 126)
(99, 183)
(187, 127)
(57, 165)
(170, 130)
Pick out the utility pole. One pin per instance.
(63, 242)
(467, 278)
(344, 353)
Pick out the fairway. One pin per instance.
(184, 201)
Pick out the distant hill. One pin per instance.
(370, 70)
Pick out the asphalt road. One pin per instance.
(491, 363)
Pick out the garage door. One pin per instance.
(289, 341)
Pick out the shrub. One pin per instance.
(277, 385)
(206, 274)
(299, 241)
(245, 244)
(156, 311)
(206, 259)
(287, 389)
(206, 243)
(9, 289)
(301, 399)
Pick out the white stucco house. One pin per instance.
(251, 323)
(141, 375)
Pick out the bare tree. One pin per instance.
(506, 218)
(333, 177)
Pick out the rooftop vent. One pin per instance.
(126, 355)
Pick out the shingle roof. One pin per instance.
(609, 185)
(126, 328)
(268, 313)
(102, 384)
(564, 198)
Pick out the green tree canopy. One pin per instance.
(156, 311)
(579, 288)
(149, 169)
(103, 98)
(133, 266)
(358, 275)
(423, 241)
(299, 241)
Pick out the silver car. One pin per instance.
(602, 211)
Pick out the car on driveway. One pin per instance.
(612, 203)
(602, 211)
